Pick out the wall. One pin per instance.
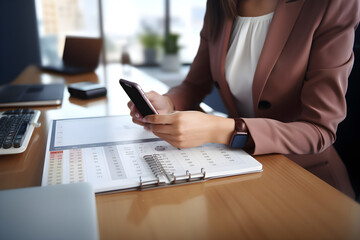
(19, 41)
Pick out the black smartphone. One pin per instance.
(138, 97)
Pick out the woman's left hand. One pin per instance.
(186, 129)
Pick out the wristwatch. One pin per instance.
(240, 134)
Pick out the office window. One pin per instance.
(186, 19)
(56, 19)
(123, 23)
(126, 20)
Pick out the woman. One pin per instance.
(281, 67)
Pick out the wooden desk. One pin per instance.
(282, 202)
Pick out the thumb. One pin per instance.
(152, 95)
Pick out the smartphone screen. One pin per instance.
(138, 97)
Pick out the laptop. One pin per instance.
(31, 95)
(66, 211)
(81, 55)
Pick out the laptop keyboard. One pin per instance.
(16, 128)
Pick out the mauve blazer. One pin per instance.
(299, 84)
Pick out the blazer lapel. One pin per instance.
(283, 22)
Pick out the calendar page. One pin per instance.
(113, 153)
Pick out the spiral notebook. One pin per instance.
(114, 154)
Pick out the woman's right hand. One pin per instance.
(162, 104)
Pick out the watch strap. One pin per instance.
(240, 134)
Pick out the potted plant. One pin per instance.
(150, 42)
(171, 59)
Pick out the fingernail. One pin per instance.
(137, 115)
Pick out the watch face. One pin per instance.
(239, 140)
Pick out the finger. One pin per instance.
(130, 105)
(138, 117)
(152, 94)
(161, 128)
(173, 141)
(159, 119)
(167, 137)
(135, 113)
(137, 121)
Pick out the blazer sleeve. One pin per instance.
(198, 83)
(323, 104)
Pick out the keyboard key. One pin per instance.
(7, 144)
(22, 128)
(14, 126)
(18, 142)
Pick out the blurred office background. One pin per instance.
(34, 24)
(121, 23)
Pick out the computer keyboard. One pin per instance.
(16, 128)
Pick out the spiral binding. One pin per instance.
(189, 176)
(155, 164)
(143, 183)
(158, 169)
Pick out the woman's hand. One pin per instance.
(190, 128)
(162, 104)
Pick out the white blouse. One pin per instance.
(246, 42)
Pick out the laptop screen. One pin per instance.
(82, 52)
